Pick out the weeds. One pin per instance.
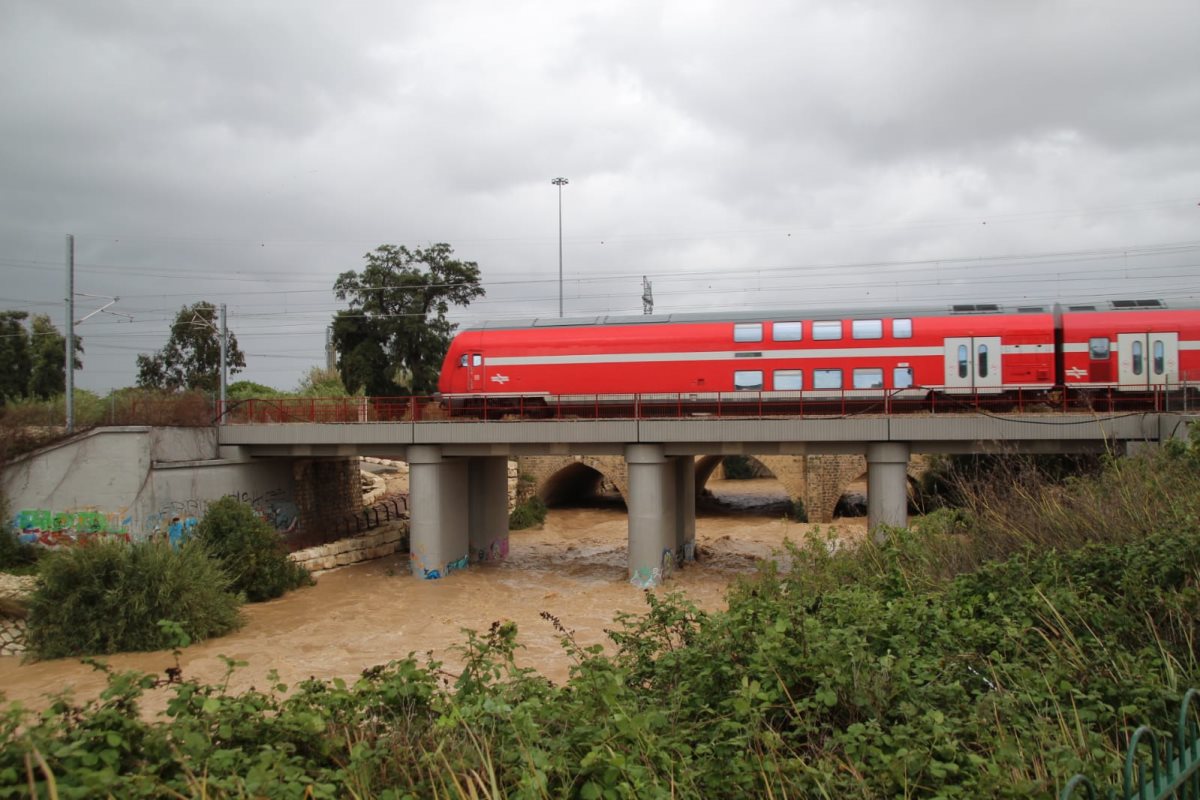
(529, 514)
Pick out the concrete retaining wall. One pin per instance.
(137, 482)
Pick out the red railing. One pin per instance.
(741, 405)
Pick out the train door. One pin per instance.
(475, 372)
(973, 363)
(1147, 359)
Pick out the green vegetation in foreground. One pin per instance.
(993, 663)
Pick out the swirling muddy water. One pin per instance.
(359, 616)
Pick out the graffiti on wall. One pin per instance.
(173, 520)
(495, 552)
(54, 528)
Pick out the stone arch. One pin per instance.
(789, 471)
(828, 477)
(705, 467)
(852, 469)
(574, 480)
(557, 474)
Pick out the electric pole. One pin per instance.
(70, 334)
(224, 355)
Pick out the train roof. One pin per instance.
(817, 314)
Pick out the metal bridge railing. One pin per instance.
(1154, 769)
(818, 403)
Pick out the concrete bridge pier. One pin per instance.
(685, 508)
(887, 485)
(653, 531)
(439, 512)
(487, 523)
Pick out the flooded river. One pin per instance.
(367, 614)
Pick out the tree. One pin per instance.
(395, 333)
(48, 375)
(15, 359)
(191, 358)
(321, 382)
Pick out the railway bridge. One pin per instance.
(459, 477)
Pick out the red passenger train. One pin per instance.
(1127, 346)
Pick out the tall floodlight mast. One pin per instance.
(560, 182)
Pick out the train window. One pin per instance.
(1160, 357)
(868, 378)
(902, 328)
(827, 330)
(788, 331)
(462, 362)
(747, 332)
(983, 361)
(902, 377)
(748, 380)
(476, 360)
(1098, 348)
(867, 329)
(827, 379)
(1137, 358)
(788, 380)
(964, 365)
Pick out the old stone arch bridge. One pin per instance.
(816, 480)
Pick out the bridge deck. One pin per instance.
(938, 433)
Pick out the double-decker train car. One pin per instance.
(983, 349)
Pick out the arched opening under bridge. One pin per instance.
(580, 485)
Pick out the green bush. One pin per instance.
(15, 555)
(799, 512)
(249, 550)
(529, 514)
(738, 468)
(108, 596)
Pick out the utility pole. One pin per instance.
(224, 354)
(330, 353)
(560, 182)
(70, 334)
(647, 297)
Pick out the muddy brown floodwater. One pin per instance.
(371, 613)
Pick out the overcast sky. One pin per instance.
(740, 156)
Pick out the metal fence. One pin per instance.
(1156, 768)
(691, 405)
(389, 508)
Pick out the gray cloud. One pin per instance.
(249, 153)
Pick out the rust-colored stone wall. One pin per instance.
(327, 490)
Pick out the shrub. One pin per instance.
(738, 468)
(249, 550)
(14, 554)
(528, 514)
(108, 596)
(799, 512)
